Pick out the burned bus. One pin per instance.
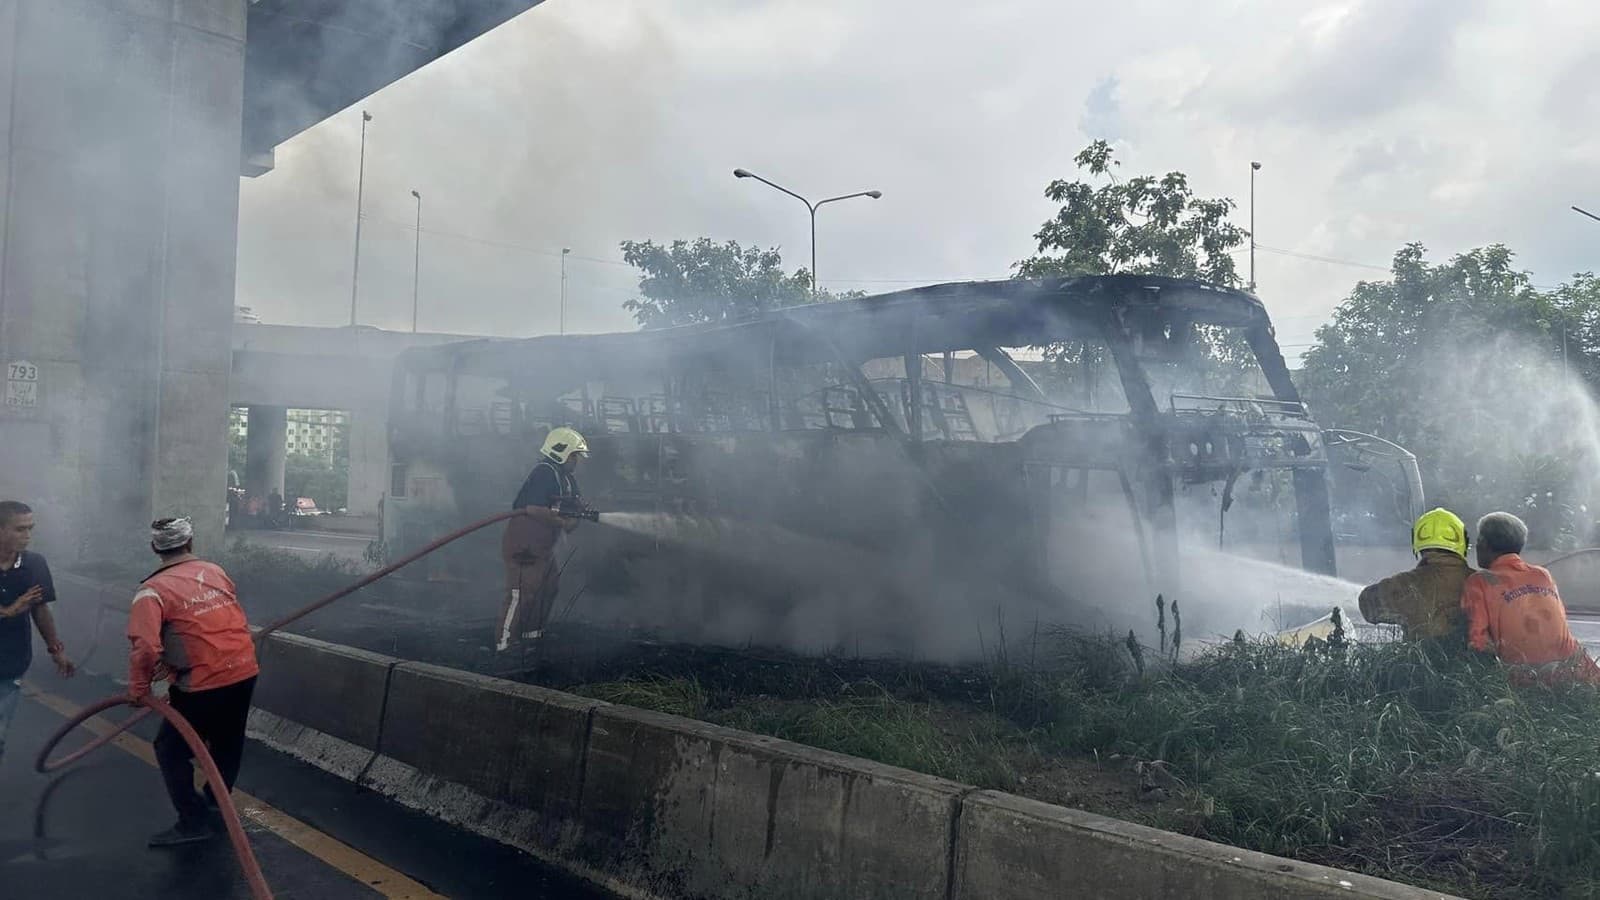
(899, 471)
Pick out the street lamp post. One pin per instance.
(1582, 212)
(564, 252)
(1254, 168)
(416, 263)
(810, 207)
(361, 182)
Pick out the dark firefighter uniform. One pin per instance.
(528, 546)
(1425, 601)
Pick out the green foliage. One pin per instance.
(691, 282)
(892, 731)
(315, 477)
(1416, 762)
(873, 725)
(272, 582)
(1461, 363)
(1145, 225)
(678, 696)
(1401, 760)
(236, 454)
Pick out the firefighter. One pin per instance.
(1425, 601)
(529, 543)
(186, 626)
(1514, 610)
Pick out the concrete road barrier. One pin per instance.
(652, 805)
(1019, 849)
(686, 809)
(522, 746)
(331, 688)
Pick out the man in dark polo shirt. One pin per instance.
(26, 591)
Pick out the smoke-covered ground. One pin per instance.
(845, 597)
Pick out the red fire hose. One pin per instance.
(151, 703)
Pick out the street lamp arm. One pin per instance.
(1586, 213)
(873, 194)
(744, 173)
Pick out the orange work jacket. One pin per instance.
(187, 615)
(1514, 609)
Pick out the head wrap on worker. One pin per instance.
(171, 534)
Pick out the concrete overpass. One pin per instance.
(305, 59)
(124, 126)
(276, 367)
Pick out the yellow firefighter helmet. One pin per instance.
(1439, 529)
(561, 443)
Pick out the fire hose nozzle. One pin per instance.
(569, 511)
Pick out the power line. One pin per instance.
(491, 242)
(1323, 259)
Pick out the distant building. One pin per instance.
(317, 433)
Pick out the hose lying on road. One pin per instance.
(230, 816)
(219, 788)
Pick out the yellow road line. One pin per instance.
(329, 850)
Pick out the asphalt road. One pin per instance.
(308, 543)
(81, 833)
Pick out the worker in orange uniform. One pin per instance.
(187, 627)
(528, 547)
(1514, 610)
(1425, 601)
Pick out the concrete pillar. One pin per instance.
(369, 459)
(265, 450)
(119, 162)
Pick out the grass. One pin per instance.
(928, 737)
(1404, 761)
(1401, 760)
(678, 696)
(272, 582)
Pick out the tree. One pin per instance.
(314, 477)
(690, 282)
(1462, 363)
(1145, 225)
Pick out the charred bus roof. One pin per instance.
(935, 318)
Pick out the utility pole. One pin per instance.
(361, 182)
(1254, 168)
(1582, 212)
(810, 207)
(416, 263)
(564, 252)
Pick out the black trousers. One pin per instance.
(218, 716)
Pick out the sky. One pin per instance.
(583, 123)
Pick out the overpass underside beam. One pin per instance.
(308, 59)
